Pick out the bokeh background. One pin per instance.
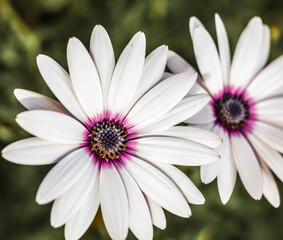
(30, 27)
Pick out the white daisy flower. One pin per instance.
(113, 138)
(245, 107)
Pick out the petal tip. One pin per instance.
(217, 17)
(224, 200)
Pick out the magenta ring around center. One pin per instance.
(130, 147)
(248, 125)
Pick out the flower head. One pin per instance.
(244, 109)
(113, 139)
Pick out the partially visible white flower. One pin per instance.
(245, 107)
(113, 138)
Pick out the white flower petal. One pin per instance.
(52, 126)
(224, 49)
(208, 60)
(268, 82)
(35, 151)
(272, 158)
(158, 186)
(80, 222)
(204, 116)
(227, 176)
(270, 111)
(183, 110)
(194, 134)
(166, 75)
(196, 89)
(189, 190)
(245, 62)
(58, 80)
(85, 78)
(210, 171)
(139, 217)
(207, 127)
(126, 75)
(248, 166)
(114, 203)
(194, 23)
(270, 189)
(177, 64)
(157, 214)
(66, 206)
(161, 99)
(272, 136)
(152, 71)
(103, 55)
(35, 101)
(264, 49)
(175, 151)
(63, 176)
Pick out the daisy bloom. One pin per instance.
(245, 107)
(113, 139)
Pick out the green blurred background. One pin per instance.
(30, 27)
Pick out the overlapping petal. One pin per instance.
(52, 126)
(30, 151)
(114, 203)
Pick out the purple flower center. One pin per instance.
(107, 139)
(234, 111)
(231, 111)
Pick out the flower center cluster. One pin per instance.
(108, 139)
(231, 111)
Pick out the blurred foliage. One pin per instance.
(30, 27)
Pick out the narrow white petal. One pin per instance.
(114, 203)
(166, 75)
(208, 60)
(190, 191)
(270, 189)
(224, 49)
(139, 217)
(157, 214)
(271, 157)
(35, 101)
(268, 82)
(271, 135)
(271, 111)
(103, 55)
(161, 99)
(227, 176)
(52, 126)
(152, 71)
(210, 171)
(245, 62)
(264, 49)
(72, 200)
(248, 166)
(184, 109)
(63, 176)
(35, 151)
(177, 64)
(85, 78)
(207, 126)
(126, 75)
(204, 137)
(175, 151)
(204, 116)
(159, 187)
(196, 89)
(58, 80)
(194, 23)
(80, 222)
